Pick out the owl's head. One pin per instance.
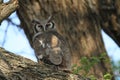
(43, 26)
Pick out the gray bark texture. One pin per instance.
(14, 67)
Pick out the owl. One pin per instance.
(50, 47)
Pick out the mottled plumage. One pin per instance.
(49, 45)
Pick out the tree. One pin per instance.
(80, 23)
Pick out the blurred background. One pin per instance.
(13, 39)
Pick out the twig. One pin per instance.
(7, 8)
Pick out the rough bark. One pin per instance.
(7, 8)
(110, 18)
(14, 67)
(78, 22)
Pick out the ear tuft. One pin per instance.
(50, 18)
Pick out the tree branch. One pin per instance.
(110, 19)
(112, 27)
(14, 67)
(7, 8)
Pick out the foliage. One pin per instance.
(88, 63)
(116, 69)
(107, 76)
(92, 77)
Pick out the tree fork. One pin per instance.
(76, 23)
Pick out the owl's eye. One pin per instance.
(39, 28)
(49, 25)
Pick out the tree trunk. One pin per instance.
(77, 21)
